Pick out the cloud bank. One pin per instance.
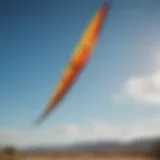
(74, 133)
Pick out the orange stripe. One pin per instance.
(79, 59)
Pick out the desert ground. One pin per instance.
(83, 158)
(88, 156)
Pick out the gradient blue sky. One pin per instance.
(37, 39)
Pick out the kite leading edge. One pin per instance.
(79, 59)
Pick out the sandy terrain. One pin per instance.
(84, 158)
(74, 157)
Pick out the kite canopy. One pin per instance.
(79, 59)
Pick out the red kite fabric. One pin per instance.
(79, 59)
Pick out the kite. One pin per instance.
(78, 60)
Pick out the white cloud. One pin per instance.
(146, 128)
(67, 130)
(72, 133)
(145, 89)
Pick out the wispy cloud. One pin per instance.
(72, 133)
(144, 89)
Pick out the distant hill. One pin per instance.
(141, 144)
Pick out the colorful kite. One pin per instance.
(79, 59)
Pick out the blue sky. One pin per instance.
(37, 40)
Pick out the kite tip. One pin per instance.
(36, 122)
(39, 120)
(108, 4)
